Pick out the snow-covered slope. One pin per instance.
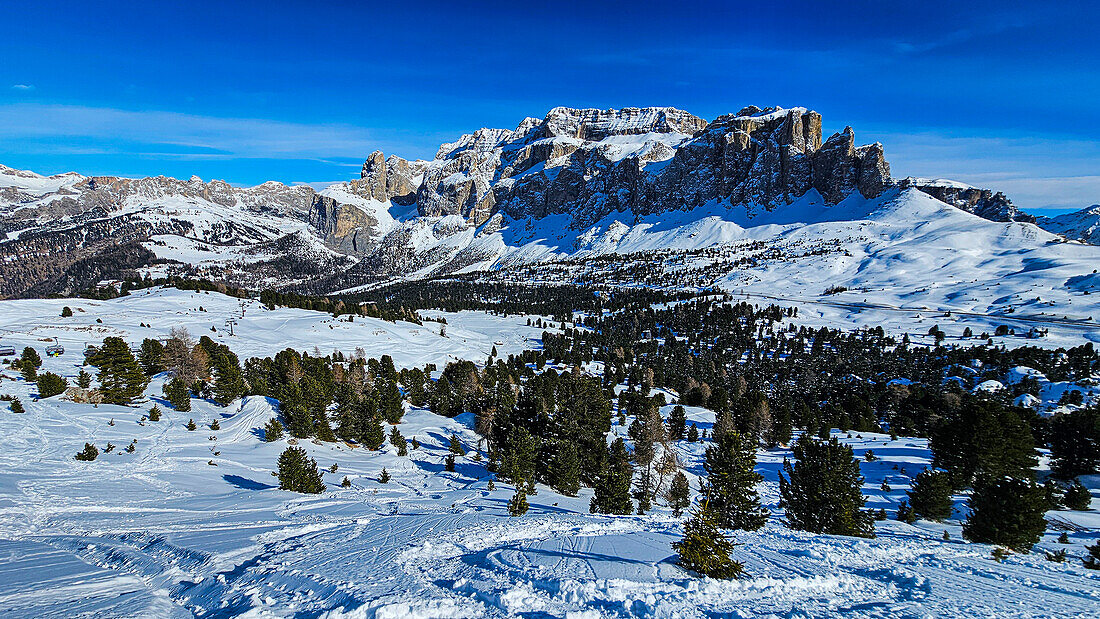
(192, 524)
(1083, 225)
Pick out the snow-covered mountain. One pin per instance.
(749, 199)
(1082, 225)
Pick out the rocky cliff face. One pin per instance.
(589, 163)
(984, 203)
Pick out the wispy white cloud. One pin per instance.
(60, 129)
(22, 87)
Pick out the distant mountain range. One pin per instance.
(576, 195)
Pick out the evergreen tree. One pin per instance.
(151, 357)
(398, 441)
(120, 378)
(298, 472)
(1092, 560)
(50, 384)
(83, 379)
(374, 436)
(704, 549)
(66, 312)
(177, 394)
(679, 493)
(455, 445)
(983, 438)
(273, 430)
(677, 422)
(517, 505)
(1007, 512)
(449, 463)
(693, 434)
(191, 425)
(228, 380)
(520, 450)
(1075, 443)
(930, 496)
(566, 469)
(29, 363)
(154, 413)
(90, 453)
(215, 425)
(17, 406)
(731, 483)
(1078, 497)
(821, 491)
(613, 485)
(384, 476)
(390, 403)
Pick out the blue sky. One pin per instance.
(999, 94)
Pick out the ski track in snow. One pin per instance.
(161, 532)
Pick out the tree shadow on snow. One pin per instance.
(246, 484)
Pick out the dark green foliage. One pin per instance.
(983, 438)
(905, 513)
(120, 378)
(66, 312)
(730, 488)
(215, 425)
(17, 406)
(191, 427)
(677, 423)
(455, 446)
(298, 472)
(1058, 556)
(679, 493)
(384, 476)
(930, 496)
(273, 430)
(449, 463)
(1007, 512)
(1092, 559)
(178, 395)
(154, 413)
(821, 491)
(90, 453)
(518, 465)
(517, 505)
(151, 357)
(704, 549)
(50, 384)
(83, 379)
(1075, 443)
(228, 380)
(693, 434)
(566, 469)
(346, 483)
(613, 483)
(374, 436)
(1077, 497)
(389, 402)
(29, 363)
(398, 441)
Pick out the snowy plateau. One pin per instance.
(754, 208)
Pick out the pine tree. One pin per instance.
(346, 483)
(384, 476)
(398, 441)
(983, 438)
(1092, 560)
(1007, 512)
(1075, 443)
(613, 485)
(517, 505)
(374, 436)
(215, 425)
(17, 406)
(821, 491)
(191, 425)
(455, 445)
(704, 549)
(566, 469)
(1078, 497)
(930, 496)
(449, 463)
(677, 422)
(120, 378)
(154, 413)
(83, 379)
(151, 357)
(90, 453)
(693, 434)
(177, 394)
(731, 483)
(273, 430)
(228, 380)
(679, 493)
(66, 312)
(50, 384)
(389, 403)
(29, 363)
(298, 472)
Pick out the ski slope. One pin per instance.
(192, 524)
